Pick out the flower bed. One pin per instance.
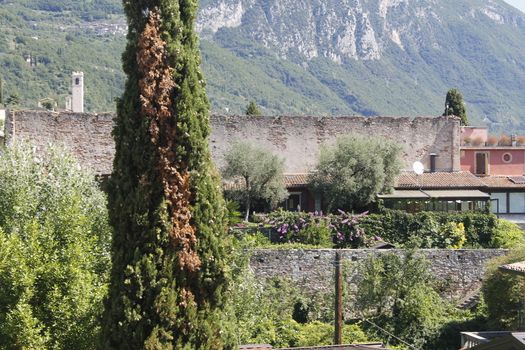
(348, 230)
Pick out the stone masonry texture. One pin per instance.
(87, 136)
(296, 139)
(458, 271)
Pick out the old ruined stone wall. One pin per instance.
(297, 139)
(460, 271)
(87, 135)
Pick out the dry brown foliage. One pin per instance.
(492, 140)
(156, 89)
(504, 140)
(477, 141)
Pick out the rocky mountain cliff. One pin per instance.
(329, 57)
(388, 57)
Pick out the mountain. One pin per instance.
(328, 57)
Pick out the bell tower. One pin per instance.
(77, 91)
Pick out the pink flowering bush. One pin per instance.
(340, 231)
(347, 233)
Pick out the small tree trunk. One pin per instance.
(248, 203)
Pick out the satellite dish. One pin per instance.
(418, 167)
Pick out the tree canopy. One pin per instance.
(454, 105)
(351, 173)
(397, 293)
(54, 251)
(253, 109)
(169, 253)
(260, 172)
(503, 292)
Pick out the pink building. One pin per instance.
(485, 155)
(500, 163)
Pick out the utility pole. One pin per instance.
(338, 331)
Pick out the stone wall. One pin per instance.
(87, 135)
(459, 270)
(297, 139)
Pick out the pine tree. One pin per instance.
(169, 274)
(454, 105)
(253, 109)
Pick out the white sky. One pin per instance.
(520, 4)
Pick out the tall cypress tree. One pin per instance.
(169, 273)
(454, 105)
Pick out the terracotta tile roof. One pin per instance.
(290, 181)
(437, 194)
(408, 180)
(516, 268)
(255, 347)
(438, 180)
(502, 182)
(295, 180)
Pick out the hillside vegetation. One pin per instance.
(376, 57)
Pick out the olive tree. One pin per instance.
(260, 174)
(350, 173)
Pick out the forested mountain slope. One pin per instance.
(369, 57)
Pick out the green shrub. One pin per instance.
(423, 229)
(340, 231)
(317, 334)
(268, 311)
(317, 233)
(503, 292)
(506, 235)
(432, 228)
(234, 215)
(451, 235)
(398, 294)
(54, 252)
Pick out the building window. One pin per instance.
(498, 202)
(517, 203)
(507, 157)
(77, 81)
(293, 203)
(482, 163)
(317, 203)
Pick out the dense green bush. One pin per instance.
(423, 229)
(342, 231)
(433, 229)
(398, 294)
(506, 235)
(54, 252)
(275, 312)
(503, 292)
(317, 333)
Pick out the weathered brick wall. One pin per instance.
(297, 139)
(460, 270)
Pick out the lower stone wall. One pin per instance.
(459, 270)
